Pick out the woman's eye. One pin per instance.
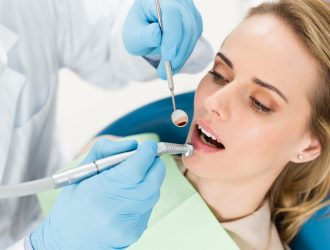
(258, 106)
(218, 78)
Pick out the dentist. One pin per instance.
(39, 37)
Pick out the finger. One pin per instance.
(105, 147)
(188, 42)
(139, 206)
(136, 230)
(150, 185)
(172, 30)
(190, 6)
(192, 26)
(154, 177)
(140, 35)
(161, 72)
(143, 40)
(134, 169)
(173, 35)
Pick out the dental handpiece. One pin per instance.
(83, 172)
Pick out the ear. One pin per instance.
(309, 152)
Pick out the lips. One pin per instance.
(205, 139)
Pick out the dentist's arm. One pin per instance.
(111, 209)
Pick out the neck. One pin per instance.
(231, 200)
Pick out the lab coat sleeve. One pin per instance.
(89, 41)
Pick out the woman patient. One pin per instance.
(261, 126)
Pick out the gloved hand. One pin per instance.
(182, 27)
(107, 211)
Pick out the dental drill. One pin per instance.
(78, 174)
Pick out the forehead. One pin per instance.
(265, 47)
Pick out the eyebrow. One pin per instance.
(255, 80)
(226, 60)
(271, 87)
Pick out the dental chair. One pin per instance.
(156, 117)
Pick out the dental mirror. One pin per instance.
(179, 118)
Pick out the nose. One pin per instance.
(219, 102)
(213, 108)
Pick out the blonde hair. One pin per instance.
(301, 189)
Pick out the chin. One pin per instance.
(198, 166)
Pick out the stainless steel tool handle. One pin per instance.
(168, 65)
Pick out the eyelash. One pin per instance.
(259, 107)
(255, 104)
(217, 78)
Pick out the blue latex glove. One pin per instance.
(110, 210)
(182, 27)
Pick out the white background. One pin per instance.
(84, 109)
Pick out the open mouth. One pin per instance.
(209, 139)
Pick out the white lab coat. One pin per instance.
(39, 38)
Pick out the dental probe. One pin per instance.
(83, 172)
(168, 66)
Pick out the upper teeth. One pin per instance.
(208, 134)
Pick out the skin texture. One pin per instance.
(234, 182)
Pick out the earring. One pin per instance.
(300, 156)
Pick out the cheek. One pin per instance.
(200, 95)
(267, 149)
(261, 142)
(249, 135)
